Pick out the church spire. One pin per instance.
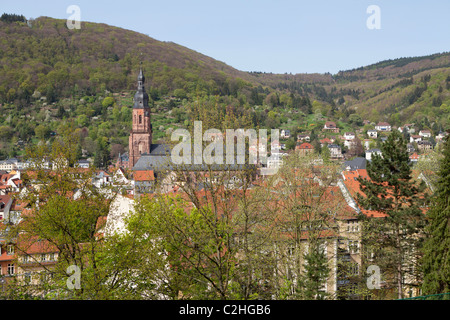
(141, 96)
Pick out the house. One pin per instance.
(383, 126)
(424, 145)
(101, 178)
(348, 143)
(275, 146)
(410, 148)
(425, 133)
(10, 182)
(372, 134)
(335, 151)
(144, 181)
(408, 127)
(7, 257)
(355, 164)
(367, 143)
(304, 148)
(441, 136)
(5, 205)
(85, 164)
(414, 157)
(371, 152)
(122, 161)
(121, 180)
(8, 164)
(349, 136)
(285, 134)
(330, 126)
(415, 138)
(303, 137)
(275, 161)
(324, 142)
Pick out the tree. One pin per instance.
(64, 213)
(355, 119)
(305, 206)
(436, 259)
(102, 154)
(42, 132)
(108, 102)
(195, 245)
(394, 238)
(356, 148)
(5, 132)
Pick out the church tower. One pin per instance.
(141, 134)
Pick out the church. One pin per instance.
(140, 141)
(149, 161)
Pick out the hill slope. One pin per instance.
(76, 69)
(54, 60)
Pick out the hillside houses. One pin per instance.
(383, 126)
(335, 151)
(304, 148)
(415, 138)
(303, 137)
(372, 134)
(371, 152)
(425, 133)
(343, 243)
(330, 126)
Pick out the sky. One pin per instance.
(279, 36)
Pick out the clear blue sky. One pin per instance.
(272, 35)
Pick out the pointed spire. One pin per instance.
(141, 76)
(141, 97)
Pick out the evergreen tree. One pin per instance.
(436, 260)
(392, 238)
(316, 273)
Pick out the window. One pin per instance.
(140, 119)
(10, 250)
(26, 259)
(27, 278)
(10, 269)
(353, 246)
(52, 257)
(43, 257)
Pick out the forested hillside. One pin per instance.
(51, 77)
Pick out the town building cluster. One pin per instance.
(140, 170)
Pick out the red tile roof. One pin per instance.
(414, 156)
(353, 186)
(144, 175)
(305, 146)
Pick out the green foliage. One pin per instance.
(316, 273)
(436, 260)
(392, 192)
(108, 102)
(196, 245)
(12, 18)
